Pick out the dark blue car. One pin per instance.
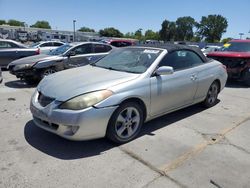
(11, 50)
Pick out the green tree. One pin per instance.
(138, 34)
(168, 30)
(212, 27)
(15, 23)
(2, 22)
(226, 40)
(110, 32)
(184, 28)
(129, 35)
(86, 29)
(151, 35)
(41, 24)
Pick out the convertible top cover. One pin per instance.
(173, 47)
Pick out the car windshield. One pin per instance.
(236, 47)
(134, 60)
(60, 50)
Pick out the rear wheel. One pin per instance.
(212, 95)
(125, 123)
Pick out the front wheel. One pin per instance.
(212, 95)
(246, 77)
(125, 123)
(30, 80)
(47, 72)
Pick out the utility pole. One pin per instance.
(74, 29)
(241, 34)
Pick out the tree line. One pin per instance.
(210, 29)
(39, 24)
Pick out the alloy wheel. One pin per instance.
(127, 122)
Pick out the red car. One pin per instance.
(121, 42)
(235, 55)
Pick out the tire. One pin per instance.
(30, 80)
(47, 72)
(212, 95)
(125, 123)
(246, 77)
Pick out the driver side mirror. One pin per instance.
(164, 70)
(71, 53)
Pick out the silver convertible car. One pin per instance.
(116, 95)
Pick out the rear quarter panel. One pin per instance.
(207, 74)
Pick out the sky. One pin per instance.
(126, 15)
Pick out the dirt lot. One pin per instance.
(194, 147)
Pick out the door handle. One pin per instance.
(193, 77)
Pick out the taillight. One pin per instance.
(38, 51)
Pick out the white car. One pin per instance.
(208, 49)
(46, 46)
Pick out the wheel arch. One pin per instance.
(138, 101)
(219, 83)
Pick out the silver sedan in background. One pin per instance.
(116, 95)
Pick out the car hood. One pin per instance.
(34, 59)
(73, 82)
(229, 54)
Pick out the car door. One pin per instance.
(78, 56)
(8, 53)
(169, 92)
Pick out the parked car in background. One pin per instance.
(11, 50)
(116, 95)
(208, 49)
(1, 77)
(235, 55)
(120, 42)
(46, 46)
(34, 68)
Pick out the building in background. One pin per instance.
(26, 34)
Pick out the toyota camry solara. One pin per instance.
(130, 86)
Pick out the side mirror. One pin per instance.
(71, 53)
(164, 70)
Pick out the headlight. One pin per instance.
(23, 66)
(86, 100)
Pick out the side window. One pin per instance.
(4, 44)
(194, 58)
(108, 48)
(179, 60)
(83, 49)
(100, 48)
(13, 45)
(57, 44)
(47, 44)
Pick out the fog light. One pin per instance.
(74, 129)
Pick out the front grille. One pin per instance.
(44, 100)
(231, 62)
(11, 68)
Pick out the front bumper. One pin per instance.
(23, 72)
(90, 123)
